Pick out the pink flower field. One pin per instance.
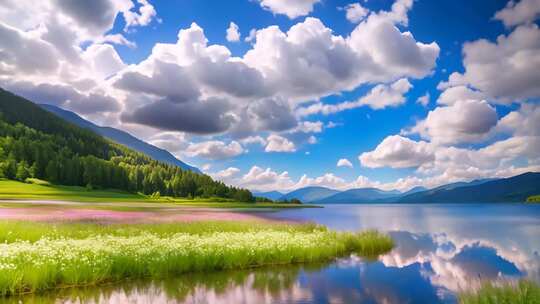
(84, 212)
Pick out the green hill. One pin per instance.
(35, 143)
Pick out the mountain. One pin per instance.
(273, 195)
(512, 189)
(357, 196)
(310, 194)
(414, 190)
(490, 190)
(120, 137)
(461, 184)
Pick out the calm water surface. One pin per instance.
(440, 249)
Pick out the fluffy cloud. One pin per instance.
(398, 152)
(167, 80)
(196, 87)
(98, 16)
(405, 57)
(276, 143)
(309, 62)
(65, 96)
(380, 97)
(517, 54)
(271, 114)
(452, 94)
(344, 163)
(192, 78)
(214, 149)
(267, 179)
(141, 17)
(254, 140)
(434, 164)
(516, 13)
(226, 175)
(463, 121)
(90, 19)
(42, 55)
(232, 33)
(524, 121)
(260, 179)
(309, 127)
(383, 96)
(424, 99)
(328, 180)
(290, 8)
(103, 60)
(174, 142)
(355, 12)
(208, 117)
(439, 164)
(21, 52)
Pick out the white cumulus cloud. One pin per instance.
(233, 34)
(214, 149)
(290, 8)
(277, 143)
(344, 163)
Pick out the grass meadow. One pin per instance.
(42, 256)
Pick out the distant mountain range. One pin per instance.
(120, 137)
(513, 189)
(273, 195)
(310, 194)
(362, 195)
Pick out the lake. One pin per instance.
(440, 249)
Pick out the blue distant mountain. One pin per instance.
(512, 189)
(462, 184)
(310, 194)
(273, 195)
(121, 137)
(357, 196)
(414, 190)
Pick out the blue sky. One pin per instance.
(339, 87)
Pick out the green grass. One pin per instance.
(523, 292)
(533, 199)
(36, 257)
(40, 190)
(15, 231)
(13, 190)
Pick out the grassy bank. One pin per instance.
(14, 190)
(523, 292)
(533, 199)
(35, 257)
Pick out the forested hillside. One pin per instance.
(36, 143)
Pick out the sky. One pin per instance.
(283, 94)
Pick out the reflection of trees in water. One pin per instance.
(270, 281)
